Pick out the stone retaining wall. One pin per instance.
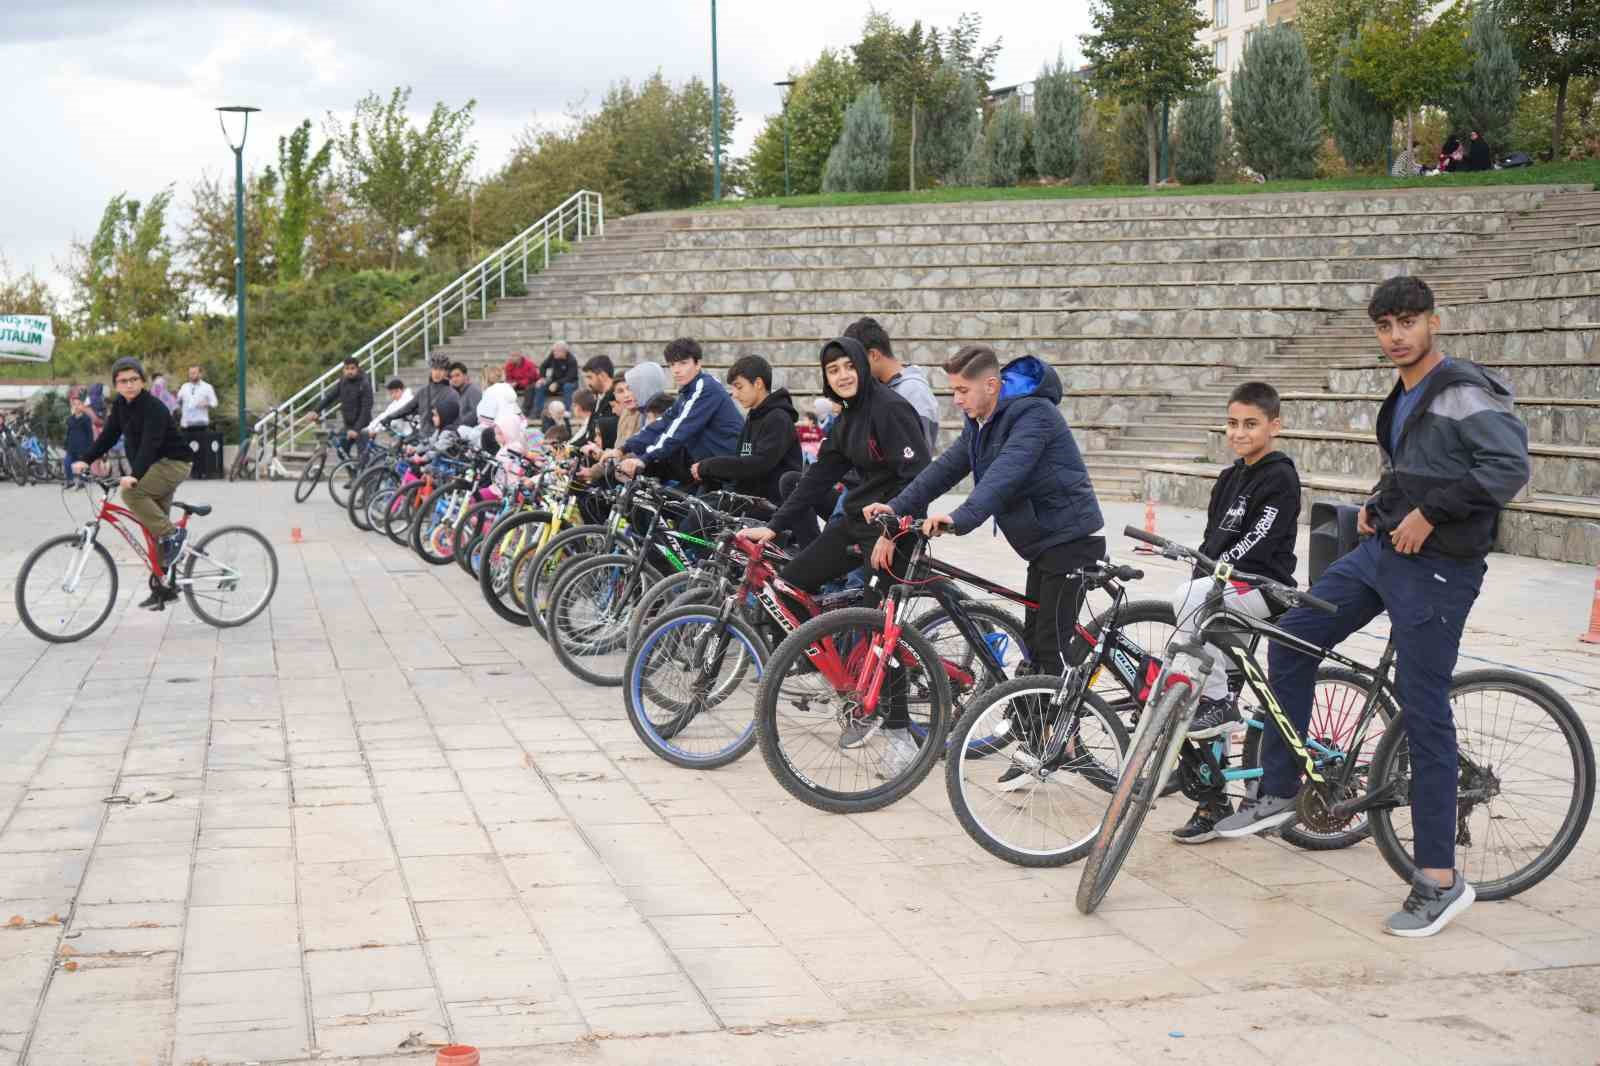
(1574, 424)
(931, 351)
(1575, 379)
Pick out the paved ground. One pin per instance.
(394, 815)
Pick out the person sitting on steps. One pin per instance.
(158, 457)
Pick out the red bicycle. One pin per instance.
(68, 585)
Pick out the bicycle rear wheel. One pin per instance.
(478, 520)
(675, 590)
(66, 589)
(1525, 786)
(690, 687)
(535, 572)
(963, 666)
(1154, 746)
(310, 474)
(587, 622)
(230, 576)
(402, 511)
(342, 479)
(502, 547)
(433, 529)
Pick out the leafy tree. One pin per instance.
(817, 104)
(1131, 146)
(1094, 134)
(1534, 126)
(1555, 41)
(964, 47)
(28, 294)
(1485, 98)
(1328, 27)
(1360, 125)
(1005, 138)
(399, 173)
(1199, 136)
(1404, 59)
(954, 127)
(301, 171)
(206, 241)
(1276, 120)
(1059, 103)
(1144, 52)
(660, 136)
(125, 274)
(860, 161)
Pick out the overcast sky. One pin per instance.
(108, 96)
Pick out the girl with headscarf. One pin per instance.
(158, 389)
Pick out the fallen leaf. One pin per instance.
(371, 944)
(16, 921)
(54, 919)
(145, 925)
(527, 760)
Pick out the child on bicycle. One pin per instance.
(1251, 522)
(157, 455)
(80, 438)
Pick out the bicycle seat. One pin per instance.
(201, 509)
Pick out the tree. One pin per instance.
(1094, 133)
(1276, 120)
(1059, 103)
(1485, 99)
(206, 242)
(1554, 41)
(947, 149)
(1361, 127)
(1404, 59)
(398, 172)
(301, 171)
(1144, 53)
(660, 138)
(1007, 132)
(125, 274)
(1328, 27)
(817, 103)
(1199, 136)
(860, 161)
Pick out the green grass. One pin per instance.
(1584, 173)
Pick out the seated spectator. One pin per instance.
(555, 419)
(1478, 155)
(810, 434)
(521, 373)
(1451, 154)
(1405, 164)
(558, 378)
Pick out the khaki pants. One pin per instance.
(151, 496)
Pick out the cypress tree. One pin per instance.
(1058, 106)
(1486, 100)
(1361, 127)
(1008, 130)
(1199, 136)
(859, 161)
(954, 121)
(1276, 118)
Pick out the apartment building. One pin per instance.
(1232, 23)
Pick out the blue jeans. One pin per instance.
(541, 397)
(1428, 601)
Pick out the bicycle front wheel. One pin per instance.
(310, 474)
(690, 687)
(1154, 746)
(230, 576)
(342, 479)
(587, 622)
(1525, 785)
(66, 589)
(1041, 803)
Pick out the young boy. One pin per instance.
(768, 447)
(157, 455)
(702, 421)
(1251, 523)
(80, 438)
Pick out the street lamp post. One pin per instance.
(716, 113)
(785, 86)
(238, 243)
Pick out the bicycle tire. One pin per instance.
(1392, 759)
(794, 648)
(342, 478)
(310, 474)
(659, 739)
(1100, 778)
(474, 524)
(192, 598)
(361, 493)
(1161, 732)
(27, 615)
(402, 510)
(990, 620)
(663, 596)
(576, 649)
(533, 574)
(496, 569)
(426, 539)
(19, 466)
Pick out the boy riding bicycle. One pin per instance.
(157, 455)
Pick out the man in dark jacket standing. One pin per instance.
(1454, 454)
(352, 394)
(1028, 475)
(768, 447)
(157, 456)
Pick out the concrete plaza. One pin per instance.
(396, 821)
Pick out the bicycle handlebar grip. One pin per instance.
(1128, 573)
(1149, 538)
(1318, 602)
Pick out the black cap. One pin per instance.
(127, 362)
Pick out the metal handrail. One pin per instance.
(415, 334)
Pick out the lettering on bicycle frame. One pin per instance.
(1126, 659)
(1263, 691)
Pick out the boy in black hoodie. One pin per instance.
(1251, 522)
(768, 446)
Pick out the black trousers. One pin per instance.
(1048, 628)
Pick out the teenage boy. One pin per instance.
(879, 440)
(599, 377)
(1454, 454)
(80, 438)
(1029, 476)
(910, 383)
(1251, 523)
(700, 423)
(157, 456)
(468, 394)
(399, 396)
(429, 397)
(768, 447)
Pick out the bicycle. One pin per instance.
(1488, 818)
(71, 580)
(328, 444)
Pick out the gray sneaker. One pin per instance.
(859, 730)
(1429, 908)
(1257, 816)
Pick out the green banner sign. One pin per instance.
(26, 337)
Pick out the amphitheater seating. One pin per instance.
(1150, 308)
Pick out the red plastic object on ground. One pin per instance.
(457, 1055)
(1593, 636)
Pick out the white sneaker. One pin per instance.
(899, 753)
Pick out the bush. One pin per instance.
(1059, 104)
(1360, 126)
(1007, 133)
(859, 161)
(1276, 118)
(1199, 136)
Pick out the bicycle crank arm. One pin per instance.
(1394, 794)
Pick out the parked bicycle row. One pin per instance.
(857, 661)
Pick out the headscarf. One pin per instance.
(158, 389)
(511, 431)
(647, 380)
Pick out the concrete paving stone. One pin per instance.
(167, 939)
(711, 897)
(229, 938)
(744, 984)
(134, 1033)
(372, 1023)
(243, 1016)
(366, 970)
(478, 918)
(348, 904)
(574, 867)
(334, 797)
(340, 834)
(505, 966)
(456, 877)
(512, 1021)
(354, 776)
(642, 1004)
(713, 931)
(243, 877)
(465, 761)
(145, 873)
(244, 812)
(127, 915)
(433, 838)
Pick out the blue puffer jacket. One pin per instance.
(1028, 473)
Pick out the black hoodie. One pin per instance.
(1253, 517)
(768, 449)
(878, 436)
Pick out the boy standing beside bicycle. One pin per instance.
(157, 455)
(1454, 454)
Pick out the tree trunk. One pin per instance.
(1150, 141)
(1561, 114)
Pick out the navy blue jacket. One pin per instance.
(703, 421)
(1027, 471)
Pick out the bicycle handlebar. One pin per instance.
(1288, 593)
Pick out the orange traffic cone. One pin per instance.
(294, 535)
(1149, 527)
(1593, 636)
(457, 1055)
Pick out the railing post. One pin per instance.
(425, 337)
(547, 243)
(394, 363)
(600, 207)
(463, 304)
(502, 277)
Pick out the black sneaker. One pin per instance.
(158, 599)
(1202, 825)
(171, 545)
(1213, 718)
